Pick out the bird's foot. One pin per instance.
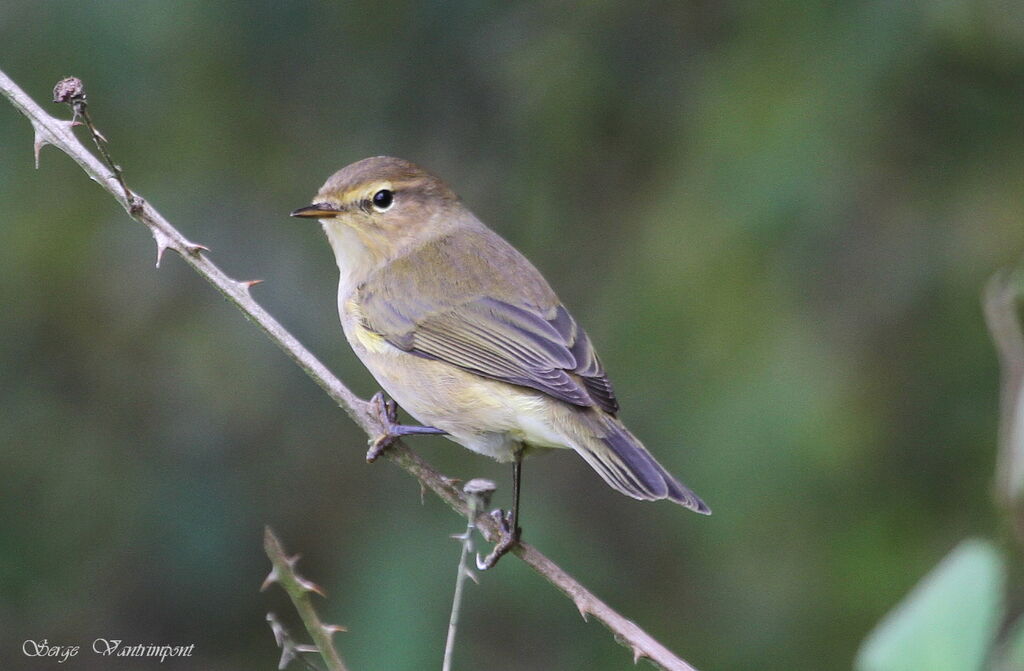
(386, 411)
(507, 539)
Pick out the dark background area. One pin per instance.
(775, 222)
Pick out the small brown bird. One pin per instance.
(466, 335)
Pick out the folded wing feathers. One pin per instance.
(588, 366)
(495, 355)
(523, 345)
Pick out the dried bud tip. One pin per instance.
(478, 494)
(68, 90)
(331, 629)
(478, 486)
(251, 283)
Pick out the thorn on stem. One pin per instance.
(275, 626)
(39, 141)
(271, 578)
(162, 243)
(306, 585)
(310, 586)
(332, 629)
(37, 145)
(288, 653)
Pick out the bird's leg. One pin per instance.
(517, 475)
(508, 524)
(387, 414)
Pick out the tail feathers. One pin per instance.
(627, 466)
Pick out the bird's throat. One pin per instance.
(355, 260)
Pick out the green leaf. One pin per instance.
(948, 622)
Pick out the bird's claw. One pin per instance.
(385, 408)
(386, 412)
(507, 539)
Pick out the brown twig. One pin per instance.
(57, 132)
(71, 91)
(298, 590)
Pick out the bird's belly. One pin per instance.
(487, 416)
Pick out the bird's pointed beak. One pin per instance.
(317, 211)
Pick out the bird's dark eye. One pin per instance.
(382, 199)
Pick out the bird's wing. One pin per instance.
(531, 345)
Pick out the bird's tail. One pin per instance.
(626, 465)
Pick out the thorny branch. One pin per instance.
(478, 494)
(58, 132)
(298, 590)
(289, 648)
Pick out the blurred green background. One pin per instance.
(774, 221)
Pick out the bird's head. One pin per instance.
(376, 209)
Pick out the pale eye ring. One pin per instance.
(383, 199)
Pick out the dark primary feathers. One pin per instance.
(517, 333)
(628, 467)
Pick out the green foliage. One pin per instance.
(948, 622)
